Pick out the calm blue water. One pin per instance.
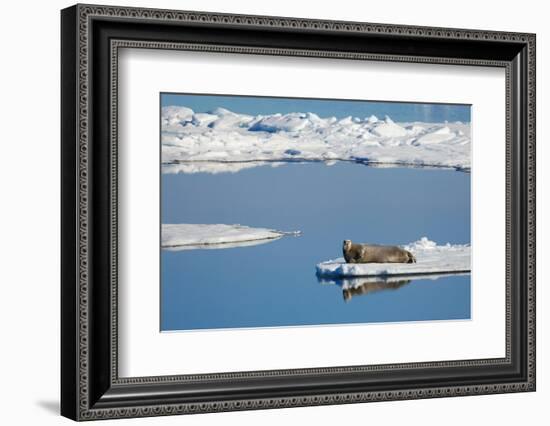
(274, 284)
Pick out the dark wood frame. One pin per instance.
(91, 37)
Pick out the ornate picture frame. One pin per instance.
(91, 37)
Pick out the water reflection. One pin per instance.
(360, 286)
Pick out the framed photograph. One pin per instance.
(263, 212)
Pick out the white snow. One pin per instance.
(187, 236)
(430, 259)
(388, 129)
(222, 140)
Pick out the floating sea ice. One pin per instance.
(187, 236)
(227, 137)
(430, 259)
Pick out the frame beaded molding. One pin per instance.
(88, 12)
(288, 402)
(116, 45)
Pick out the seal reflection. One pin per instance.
(361, 286)
(368, 287)
(353, 287)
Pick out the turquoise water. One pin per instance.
(275, 284)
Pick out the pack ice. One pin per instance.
(225, 141)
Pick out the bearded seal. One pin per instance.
(373, 253)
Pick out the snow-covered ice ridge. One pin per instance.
(187, 236)
(221, 140)
(430, 259)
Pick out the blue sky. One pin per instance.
(253, 105)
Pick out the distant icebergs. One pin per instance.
(222, 140)
(430, 259)
(186, 236)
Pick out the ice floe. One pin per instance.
(430, 259)
(186, 236)
(222, 140)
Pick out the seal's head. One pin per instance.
(347, 244)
